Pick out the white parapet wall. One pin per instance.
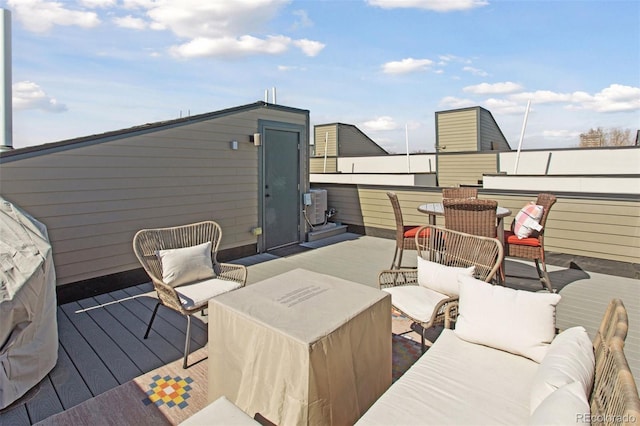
(387, 179)
(581, 161)
(416, 163)
(584, 184)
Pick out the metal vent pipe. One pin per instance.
(6, 107)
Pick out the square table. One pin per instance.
(301, 348)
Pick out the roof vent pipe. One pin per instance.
(6, 120)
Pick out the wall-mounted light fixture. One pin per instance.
(255, 138)
(234, 145)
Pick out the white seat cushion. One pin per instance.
(416, 301)
(187, 264)
(517, 321)
(197, 294)
(458, 383)
(441, 278)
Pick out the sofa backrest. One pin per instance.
(614, 399)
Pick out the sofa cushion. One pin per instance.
(458, 383)
(565, 406)
(527, 220)
(570, 358)
(441, 278)
(516, 321)
(187, 264)
(415, 301)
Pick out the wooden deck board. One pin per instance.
(93, 371)
(108, 318)
(122, 316)
(68, 383)
(46, 402)
(126, 314)
(111, 354)
(15, 417)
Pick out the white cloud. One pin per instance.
(476, 71)
(379, 124)
(290, 68)
(28, 95)
(452, 102)
(130, 22)
(229, 46)
(303, 20)
(309, 47)
(224, 28)
(492, 89)
(436, 5)
(98, 3)
(504, 106)
(407, 65)
(41, 16)
(615, 98)
(541, 97)
(560, 134)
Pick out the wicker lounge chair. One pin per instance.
(446, 247)
(191, 297)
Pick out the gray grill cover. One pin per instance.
(28, 324)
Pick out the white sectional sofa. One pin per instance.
(457, 382)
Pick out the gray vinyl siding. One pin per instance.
(596, 228)
(93, 198)
(491, 137)
(352, 142)
(457, 131)
(465, 169)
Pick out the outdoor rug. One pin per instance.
(171, 394)
(165, 396)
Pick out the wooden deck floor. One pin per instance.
(101, 343)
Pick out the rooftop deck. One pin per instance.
(101, 343)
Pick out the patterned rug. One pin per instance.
(170, 394)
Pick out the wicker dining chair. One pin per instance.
(461, 192)
(190, 297)
(405, 234)
(532, 248)
(429, 307)
(476, 217)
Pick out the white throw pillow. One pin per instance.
(516, 321)
(186, 265)
(570, 358)
(565, 406)
(441, 278)
(527, 220)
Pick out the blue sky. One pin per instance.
(82, 67)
